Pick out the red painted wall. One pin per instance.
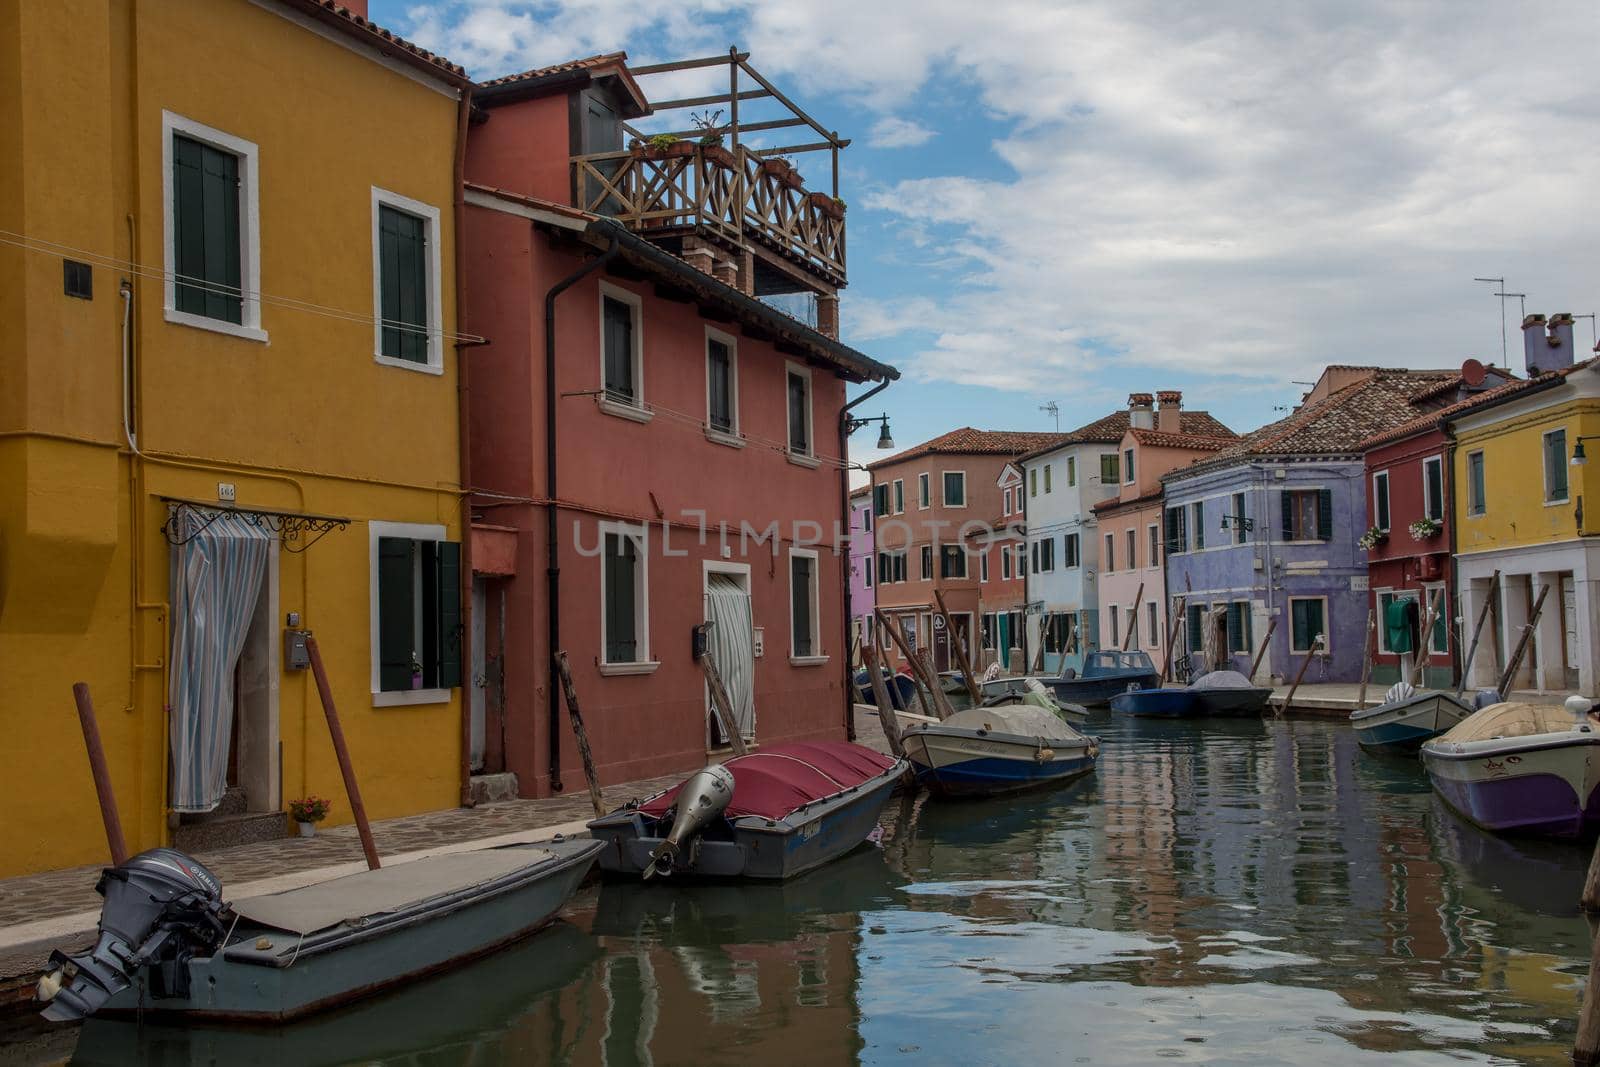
(523, 148)
(1396, 563)
(613, 468)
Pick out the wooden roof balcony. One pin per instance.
(733, 196)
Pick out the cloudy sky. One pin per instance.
(1069, 201)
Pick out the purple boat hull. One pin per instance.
(1542, 804)
(1546, 784)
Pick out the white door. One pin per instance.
(480, 674)
(1569, 627)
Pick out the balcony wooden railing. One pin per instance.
(732, 194)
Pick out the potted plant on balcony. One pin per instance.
(308, 812)
(782, 168)
(663, 146)
(1425, 528)
(1372, 539)
(709, 123)
(830, 206)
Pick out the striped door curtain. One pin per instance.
(216, 577)
(732, 645)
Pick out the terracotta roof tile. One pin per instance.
(1434, 419)
(1190, 439)
(967, 441)
(1105, 507)
(587, 63)
(338, 15)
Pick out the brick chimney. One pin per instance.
(1141, 415)
(1169, 416)
(1559, 351)
(355, 7)
(1545, 351)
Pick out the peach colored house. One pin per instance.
(1132, 591)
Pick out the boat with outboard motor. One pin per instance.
(1407, 717)
(1157, 704)
(1226, 692)
(1521, 768)
(1105, 674)
(774, 813)
(1005, 744)
(168, 944)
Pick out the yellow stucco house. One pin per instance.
(1527, 504)
(228, 414)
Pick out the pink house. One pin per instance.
(653, 446)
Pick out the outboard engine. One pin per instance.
(701, 800)
(162, 909)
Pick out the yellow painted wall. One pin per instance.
(1515, 511)
(307, 421)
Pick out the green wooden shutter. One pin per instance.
(1196, 628)
(449, 613)
(1198, 535)
(205, 230)
(1172, 531)
(1287, 499)
(719, 379)
(403, 275)
(799, 406)
(1325, 514)
(396, 612)
(800, 595)
(622, 639)
(619, 349)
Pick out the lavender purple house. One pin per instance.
(1266, 529)
(862, 580)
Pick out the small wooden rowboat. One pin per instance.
(1411, 717)
(998, 749)
(771, 814)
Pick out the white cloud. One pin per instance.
(894, 132)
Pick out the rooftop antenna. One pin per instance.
(1054, 412)
(1522, 303)
(1593, 339)
(1504, 359)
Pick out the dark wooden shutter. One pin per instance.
(1325, 514)
(621, 638)
(800, 595)
(1287, 500)
(403, 274)
(718, 371)
(1198, 534)
(205, 231)
(396, 612)
(799, 406)
(448, 571)
(1173, 544)
(1196, 624)
(619, 349)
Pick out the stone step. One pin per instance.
(227, 831)
(487, 788)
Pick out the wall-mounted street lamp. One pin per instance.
(852, 424)
(1578, 458)
(1239, 522)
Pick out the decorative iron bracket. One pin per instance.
(293, 528)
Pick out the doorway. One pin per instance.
(731, 644)
(255, 762)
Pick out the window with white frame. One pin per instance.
(1072, 471)
(1022, 560)
(1069, 550)
(805, 638)
(722, 383)
(799, 411)
(952, 561)
(983, 566)
(1380, 500)
(407, 301)
(1153, 627)
(213, 231)
(1555, 466)
(624, 595)
(1006, 507)
(955, 489)
(1476, 501)
(1153, 547)
(867, 563)
(899, 496)
(1127, 466)
(927, 562)
(1109, 564)
(1433, 488)
(1005, 563)
(924, 490)
(621, 346)
(1308, 618)
(891, 567)
(415, 613)
(1047, 477)
(1133, 549)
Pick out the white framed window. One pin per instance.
(1380, 500)
(1433, 488)
(983, 566)
(1072, 471)
(1555, 466)
(1047, 477)
(805, 632)
(924, 491)
(1022, 560)
(212, 228)
(722, 388)
(622, 353)
(797, 385)
(1153, 628)
(1477, 503)
(414, 613)
(624, 600)
(1308, 618)
(1133, 549)
(1006, 508)
(927, 562)
(954, 489)
(1005, 563)
(1153, 545)
(1033, 482)
(1127, 466)
(867, 574)
(1109, 564)
(407, 303)
(899, 496)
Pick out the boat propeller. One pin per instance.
(702, 798)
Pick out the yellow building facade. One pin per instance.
(1525, 510)
(227, 278)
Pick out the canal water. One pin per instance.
(1226, 892)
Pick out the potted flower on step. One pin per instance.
(663, 146)
(709, 123)
(1425, 528)
(1372, 539)
(308, 812)
(830, 206)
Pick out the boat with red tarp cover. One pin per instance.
(791, 807)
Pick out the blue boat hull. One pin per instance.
(987, 777)
(1158, 704)
(1398, 738)
(1099, 690)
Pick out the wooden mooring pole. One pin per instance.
(101, 774)
(1522, 645)
(880, 693)
(1586, 1047)
(930, 703)
(341, 751)
(1477, 631)
(570, 694)
(1133, 619)
(1172, 638)
(1316, 643)
(962, 659)
(722, 704)
(1367, 637)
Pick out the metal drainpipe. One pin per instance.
(552, 548)
(464, 448)
(844, 571)
(1451, 589)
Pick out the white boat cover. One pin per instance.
(1024, 720)
(1223, 680)
(355, 896)
(1509, 720)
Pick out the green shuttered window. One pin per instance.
(419, 614)
(1555, 466)
(618, 336)
(719, 386)
(1307, 514)
(1306, 615)
(620, 578)
(205, 231)
(403, 279)
(802, 593)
